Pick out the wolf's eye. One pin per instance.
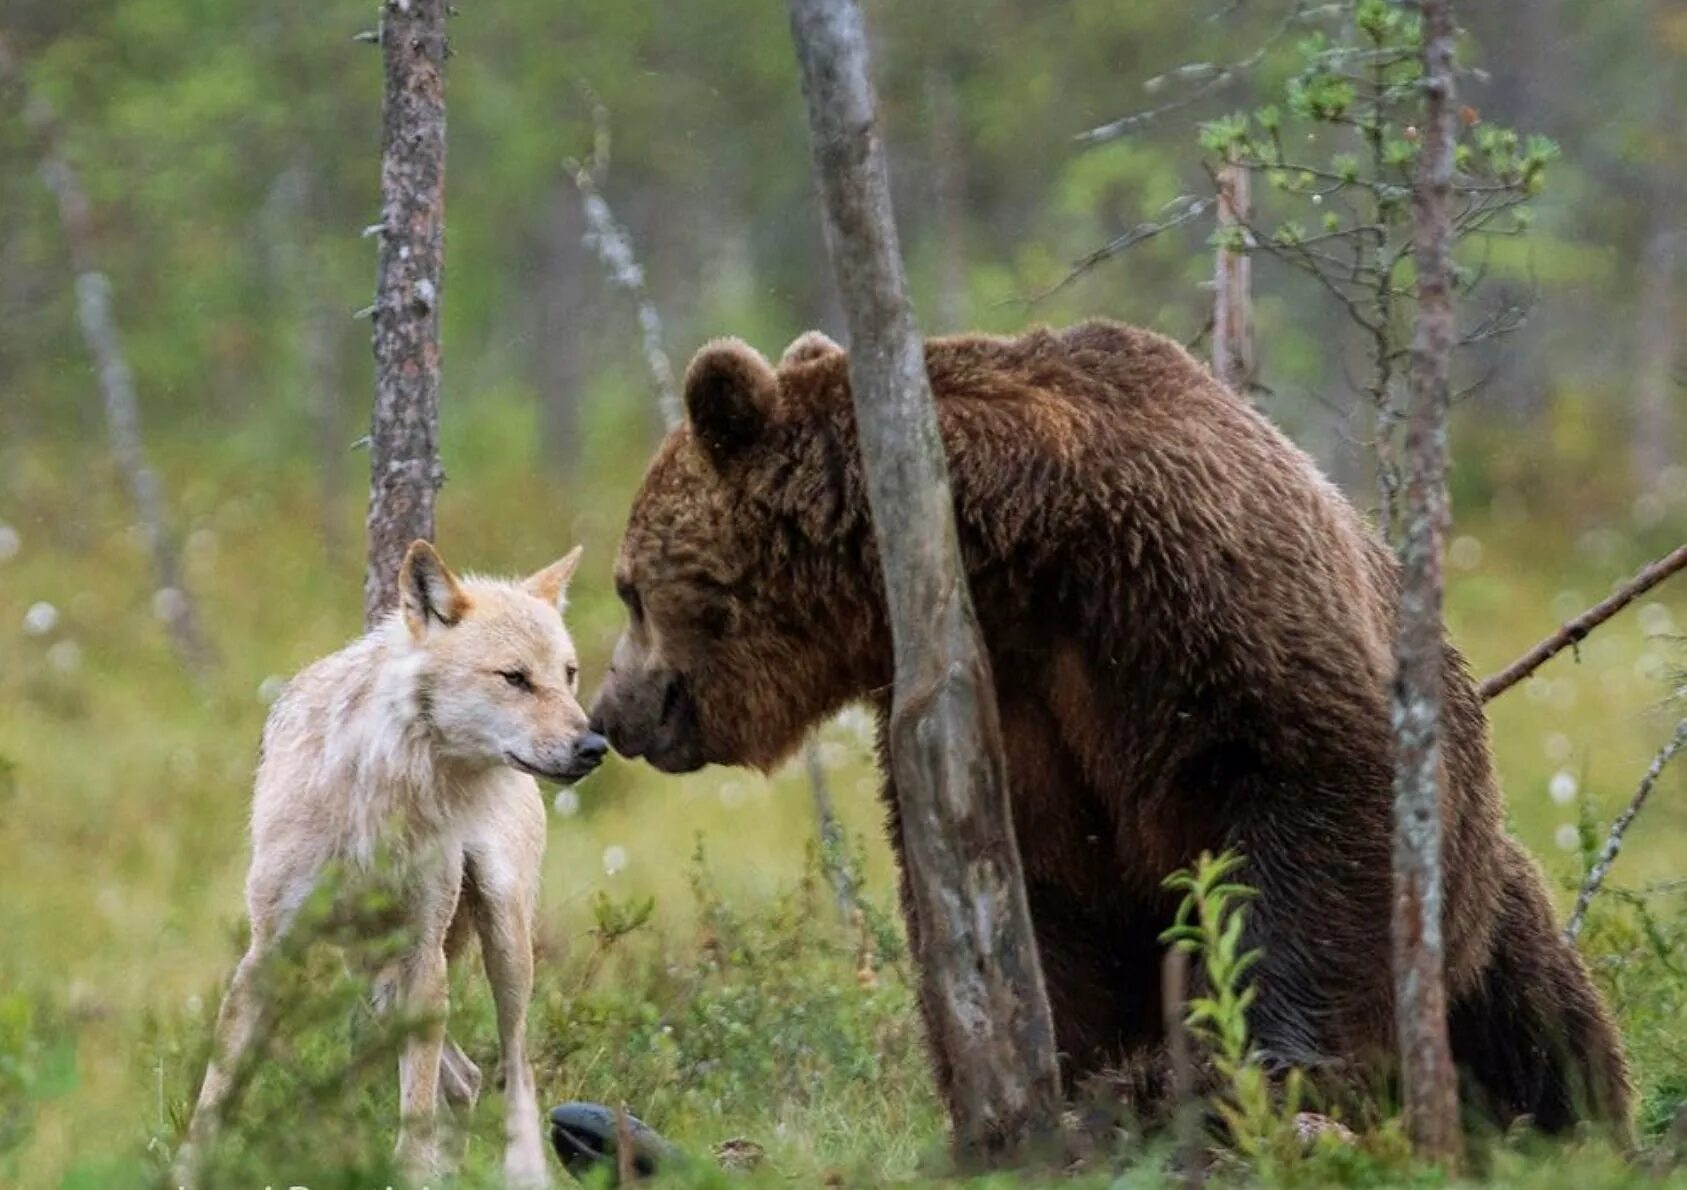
(517, 678)
(573, 672)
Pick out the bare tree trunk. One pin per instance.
(1655, 385)
(1429, 1087)
(565, 324)
(1233, 315)
(405, 474)
(983, 978)
(948, 185)
(171, 600)
(834, 854)
(323, 326)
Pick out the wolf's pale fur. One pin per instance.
(405, 745)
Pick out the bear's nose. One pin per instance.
(590, 748)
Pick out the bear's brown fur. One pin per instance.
(1190, 631)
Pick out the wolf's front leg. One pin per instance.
(506, 944)
(424, 997)
(423, 1000)
(240, 1021)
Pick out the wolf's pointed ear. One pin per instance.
(551, 583)
(428, 593)
(731, 394)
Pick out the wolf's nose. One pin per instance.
(589, 748)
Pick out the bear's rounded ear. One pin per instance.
(808, 347)
(730, 396)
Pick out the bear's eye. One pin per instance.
(629, 596)
(573, 672)
(517, 678)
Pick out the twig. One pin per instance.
(1186, 1108)
(1131, 238)
(1215, 77)
(626, 1173)
(1573, 631)
(1614, 842)
(614, 248)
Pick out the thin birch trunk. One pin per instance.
(405, 473)
(1429, 1087)
(948, 186)
(979, 963)
(98, 322)
(1656, 387)
(1233, 316)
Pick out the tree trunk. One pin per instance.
(979, 959)
(1233, 315)
(948, 187)
(834, 850)
(1655, 386)
(171, 600)
(1429, 1088)
(405, 474)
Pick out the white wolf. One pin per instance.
(419, 742)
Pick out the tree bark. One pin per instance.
(1233, 315)
(1429, 1088)
(100, 332)
(979, 960)
(405, 474)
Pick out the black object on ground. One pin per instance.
(584, 1136)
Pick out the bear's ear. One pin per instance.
(808, 347)
(730, 396)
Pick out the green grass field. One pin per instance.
(744, 1007)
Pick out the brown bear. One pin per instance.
(1190, 631)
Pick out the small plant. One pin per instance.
(1338, 159)
(1209, 924)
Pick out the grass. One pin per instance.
(744, 1006)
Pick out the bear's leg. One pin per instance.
(1321, 920)
(1102, 980)
(1532, 1034)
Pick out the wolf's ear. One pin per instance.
(730, 397)
(551, 583)
(428, 593)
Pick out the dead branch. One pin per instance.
(1614, 841)
(1573, 632)
(104, 340)
(1211, 77)
(1142, 231)
(614, 248)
